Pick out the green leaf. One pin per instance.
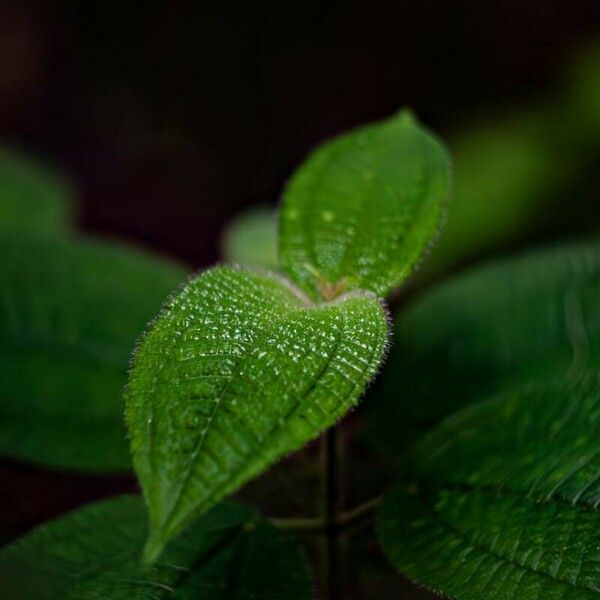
(239, 370)
(515, 320)
(94, 553)
(363, 208)
(33, 199)
(251, 239)
(506, 172)
(70, 313)
(506, 500)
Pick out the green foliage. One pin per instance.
(519, 319)
(239, 370)
(33, 199)
(70, 312)
(251, 239)
(506, 496)
(93, 553)
(505, 173)
(363, 208)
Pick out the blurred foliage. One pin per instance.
(94, 553)
(251, 238)
(525, 318)
(71, 311)
(504, 500)
(33, 198)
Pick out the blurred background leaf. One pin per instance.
(505, 497)
(71, 311)
(33, 198)
(514, 320)
(95, 553)
(251, 238)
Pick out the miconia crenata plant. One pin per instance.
(240, 369)
(488, 408)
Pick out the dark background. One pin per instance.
(170, 117)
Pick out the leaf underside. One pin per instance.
(523, 319)
(70, 312)
(33, 199)
(238, 371)
(505, 504)
(94, 554)
(363, 208)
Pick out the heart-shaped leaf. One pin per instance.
(94, 553)
(513, 321)
(506, 500)
(363, 208)
(238, 371)
(70, 312)
(33, 199)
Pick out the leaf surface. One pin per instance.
(70, 313)
(520, 319)
(505, 504)
(94, 554)
(33, 199)
(238, 371)
(362, 209)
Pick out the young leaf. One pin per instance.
(70, 313)
(251, 239)
(516, 320)
(33, 199)
(507, 499)
(362, 209)
(95, 553)
(238, 371)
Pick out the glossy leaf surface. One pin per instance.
(238, 371)
(70, 314)
(361, 210)
(94, 554)
(505, 504)
(516, 320)
(33, 199)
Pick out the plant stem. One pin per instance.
(331, 506)
(317, 525)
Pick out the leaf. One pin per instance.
(506, 500)
(251, 238)
(94, 553)
(239, 370)
(512, 321)
(363, 208)
(506, 173)
(33, 199)
(70, 313)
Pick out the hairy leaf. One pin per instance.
(238, 371)
(32, 198)
(70, 313)
(94, 553)
(362, 209)
(516, 320)
(251, 239)
(506, 500)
